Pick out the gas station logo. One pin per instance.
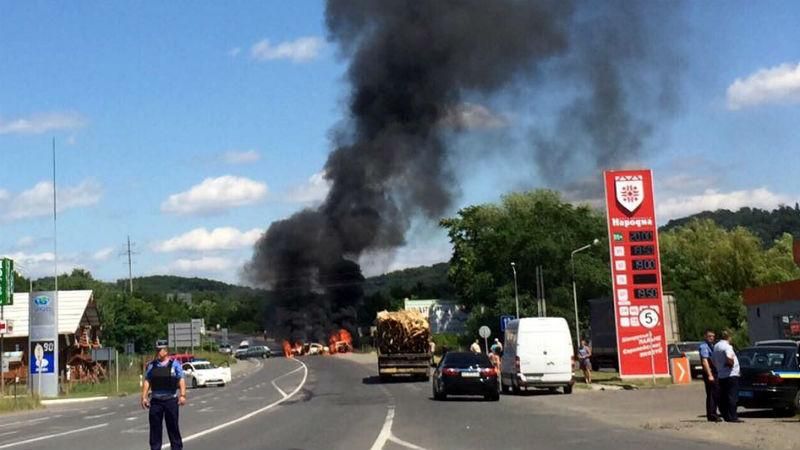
(630, 192)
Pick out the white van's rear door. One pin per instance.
(543, 353)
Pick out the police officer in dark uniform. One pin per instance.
(163, 379)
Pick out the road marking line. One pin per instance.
(100, 415)
(386, 430)
(251, 414)
(283, 394)
(131, 419)
(9, 432)
(25, 421)
(50, 436)
(399, 441)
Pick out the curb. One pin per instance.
(64, 401)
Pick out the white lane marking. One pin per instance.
(25, 421)
(9, 432)
(399, 441)
(51, 436)
(131, 419)
(283, 394)
(386, 430)
(206, 409)
(97, 416)
(248, 415)
(104, 408)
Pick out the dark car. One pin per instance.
(255, 351)
(462, 373)
(770, 378)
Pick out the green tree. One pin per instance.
(531, 229)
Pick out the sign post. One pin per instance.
(636, 274)
(485, 332)
(43, 360)
(6, 298)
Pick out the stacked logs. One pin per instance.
(402, 332)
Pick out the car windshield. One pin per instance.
(203, 366)
(465, 360)
(765, 358)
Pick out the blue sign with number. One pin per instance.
(47, 350)
(504, 321)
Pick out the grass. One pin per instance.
(21, 403)
(613, 378)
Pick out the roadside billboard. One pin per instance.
(43, 351)
(636, 274)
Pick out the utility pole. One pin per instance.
(129, 253)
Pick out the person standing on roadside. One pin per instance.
(475, 347)
(727, 366)
(163, 378)
(585, 361)
(497, 347)
(710, 376)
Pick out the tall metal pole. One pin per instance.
(130, 270)
(55, 268)
(575, 301)
(516, 294)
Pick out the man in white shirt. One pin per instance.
(727, 365)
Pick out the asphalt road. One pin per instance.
(328, 403)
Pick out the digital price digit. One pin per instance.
(645, 293)
(644, 264)
(640, 236)
(647, 278)
(643, 250)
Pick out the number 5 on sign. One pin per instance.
(648, 317)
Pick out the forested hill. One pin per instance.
(425, 281)
(163, 284)
(767, 225)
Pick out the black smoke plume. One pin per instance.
(411, 64)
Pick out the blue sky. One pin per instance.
(190, 127)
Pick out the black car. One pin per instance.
(462, 373)
(770, 378)
(256, 351)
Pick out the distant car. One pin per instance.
(256, 351)
(465, 373)
(203, 373)
(777, 343)
(692, 351)
(770, 378)
(243, 347)
(225, 348)
(315, 349)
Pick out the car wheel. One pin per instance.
(568, 389)
(504, 387)
(493, 397)
(437, 395)
(194, 383)
(264, 356)
(222, 385)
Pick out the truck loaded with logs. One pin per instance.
(402, 339)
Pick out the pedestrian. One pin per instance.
(710, 376)
(497, 346)
(494, 357)
(475, 347)
(727, 366)
(163, 378)
(585, 361)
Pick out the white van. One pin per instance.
(538, 353)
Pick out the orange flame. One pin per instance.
(341, 341)
(287, 349)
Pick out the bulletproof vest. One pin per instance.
(161, 378)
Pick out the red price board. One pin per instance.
(636, 273)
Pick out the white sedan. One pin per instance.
(203, 373)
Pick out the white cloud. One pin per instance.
(103, 254)
(42, 123)
(712, 199)
(215, 195)
(312, 191)
(234, 52)
(235, 157)
(200, 239)
(206, 264)
(300, 50)
(472, 116)
(39, 265)
(38, 200)
(780, 84)
(25, 241)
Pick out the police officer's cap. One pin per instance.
(161, 343)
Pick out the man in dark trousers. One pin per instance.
(163, 378)
(727, 366)
(710, 376)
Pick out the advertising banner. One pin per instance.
(6, 282)
(43, 367)
(636, 273)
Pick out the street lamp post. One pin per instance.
(575, 289)
(516, 294)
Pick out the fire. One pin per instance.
(287, 349)
(341, 341)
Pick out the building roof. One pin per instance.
(773, 293)
(75, 309)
